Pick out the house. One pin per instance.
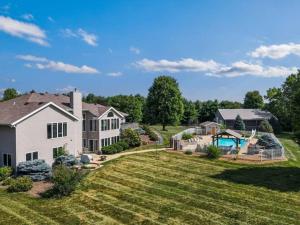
(38, 126)
(209, 127)
(251, 117)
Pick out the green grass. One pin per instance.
(171, 130)
(170, 189)
(291, 147)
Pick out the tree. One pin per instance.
(91, 98)
(9, 93)
(164, 102)
(265, 126)
(275, 125)
(132, 105)
(253, 100)
(131, 137)
(206, 110)
(239, 123)
(190, 113)
(230, 105)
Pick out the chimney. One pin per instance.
(76, 103)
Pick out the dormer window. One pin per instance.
(110, 114)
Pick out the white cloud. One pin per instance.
(44, 63)
(66, 89)
(212, 68)
(27, 31)
(135, 50)
(90, 39)
(241, 68)
(115, 74)
(28, 16)
(186, 64)
(276, 51)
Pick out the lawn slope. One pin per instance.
(169, 189)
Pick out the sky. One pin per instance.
(214, 49)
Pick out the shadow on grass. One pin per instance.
(283, 179)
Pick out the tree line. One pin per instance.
(166, 105)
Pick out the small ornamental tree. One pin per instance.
(265, 126)
(131, 137)
(239, 123)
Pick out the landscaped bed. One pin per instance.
(169, 188)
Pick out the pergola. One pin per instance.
(227, 134)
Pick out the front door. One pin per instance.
(91, 145)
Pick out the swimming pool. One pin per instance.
(230, 142)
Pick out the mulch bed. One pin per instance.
(40, 187)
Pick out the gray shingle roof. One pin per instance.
(14, 109)
(246, 114)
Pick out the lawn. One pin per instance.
(170, 131)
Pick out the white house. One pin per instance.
(36, 126)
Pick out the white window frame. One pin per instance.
(7, 154)
(31, 156)
(57, 125)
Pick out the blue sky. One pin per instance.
(215, 49)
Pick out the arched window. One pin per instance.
(110, 114)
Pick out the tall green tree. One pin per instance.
(164, 102)
(93, 99)
(230, 105)
(253, 100)
(130, 104)
(206, 110)
(9, 93)
(239, 123)
(190, 112)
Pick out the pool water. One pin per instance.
(230, 142)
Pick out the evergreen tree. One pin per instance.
(239, 123)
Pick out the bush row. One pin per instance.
(115, 148)
(152, 135)
(20, 184)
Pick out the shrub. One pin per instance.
(213, 152)
(123, 144)
(112, 149)
(265, 126)
(20, 184)
(186, 136)
(7, 181)
(188, 152)
(131, 137)
(37, 169)
(5, 172)
(65, 181)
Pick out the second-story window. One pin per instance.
(55, 130)
(84, 122)
(105, 124)
(93, 125)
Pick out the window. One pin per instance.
(115, 139)
(105, 124)
(65, 129)
(115, 123)
(84, 141)
(32, 156)
(55, 130)
(110, 114)
(105, 142)
(93, 125)
(84, 122)
(54, 134)
(60, 129)
(49, 131)
(57, 152)
(6, 159)
(93, 145)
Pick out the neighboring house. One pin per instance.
(251, 117)
(209, 127)
(37, 126)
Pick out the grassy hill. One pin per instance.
(169, 189)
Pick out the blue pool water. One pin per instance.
(230, 142)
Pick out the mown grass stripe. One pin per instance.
(191, 187)
(128, 193)
(118, 176)
(16, 215)
(191, 172)
(18, 207)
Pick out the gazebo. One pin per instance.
(227, 134)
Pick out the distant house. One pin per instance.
(251, 117)
(38, 126)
